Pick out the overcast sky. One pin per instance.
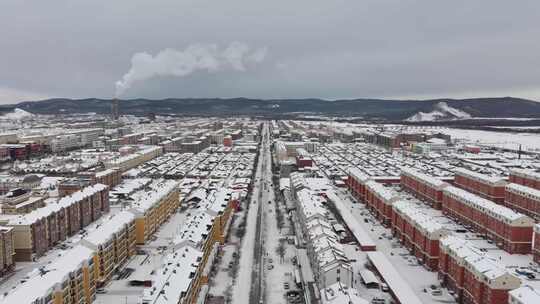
(314, 48)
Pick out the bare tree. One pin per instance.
(281, 250)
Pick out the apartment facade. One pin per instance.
(356, 182)
(424, 186)
(41, 229)
(473, 276)
(70, 279)
(488, 187)
(379, 199)
(510, 230)
(523, 199)
(114, 242)
(7, 251)
(536, 246)
(153, 206)
(529, 178)
(418, 232)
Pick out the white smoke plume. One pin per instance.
(170, 62)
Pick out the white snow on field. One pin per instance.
(443, 106)
(241, 289)
(17, 114)
(423, 116)
(529, 141)
(441, 111)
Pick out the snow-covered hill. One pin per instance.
(441, 111)
(17, 114)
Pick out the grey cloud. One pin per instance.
(329, 49)
(195, 57)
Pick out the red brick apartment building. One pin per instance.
(474, 277)
(356, 182)
(380, 199)
(110, 177)
(7, 263)
(489, 187)
(303, 158)
(38, 231)
(418, 232)
(424, 186)
(536, 246)
(523, 199)
(527, 178)
(510, 230)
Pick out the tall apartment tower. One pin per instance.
(114, 109)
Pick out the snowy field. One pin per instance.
(529, 141)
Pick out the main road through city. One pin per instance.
(250, 284)
(263, 196)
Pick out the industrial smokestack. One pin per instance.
(205, 57)
(115, 109)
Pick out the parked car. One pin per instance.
(436, 292)
(378, 301)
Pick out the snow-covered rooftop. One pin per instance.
(425, 178)
(488, 207)
(146, 199)
(51, 207)
(524, 190)
(526, 295)
(109, 228)
(42, 283)
(172, 281)
(530, 174)
(490, 180)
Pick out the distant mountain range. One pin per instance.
(379, 109)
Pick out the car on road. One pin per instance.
(286, 286)
(436, 292)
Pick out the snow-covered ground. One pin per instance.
(529, 141)
(441, 111)
(241, 290)
(277, 272)
(17, 114)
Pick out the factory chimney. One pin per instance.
(114, 109)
